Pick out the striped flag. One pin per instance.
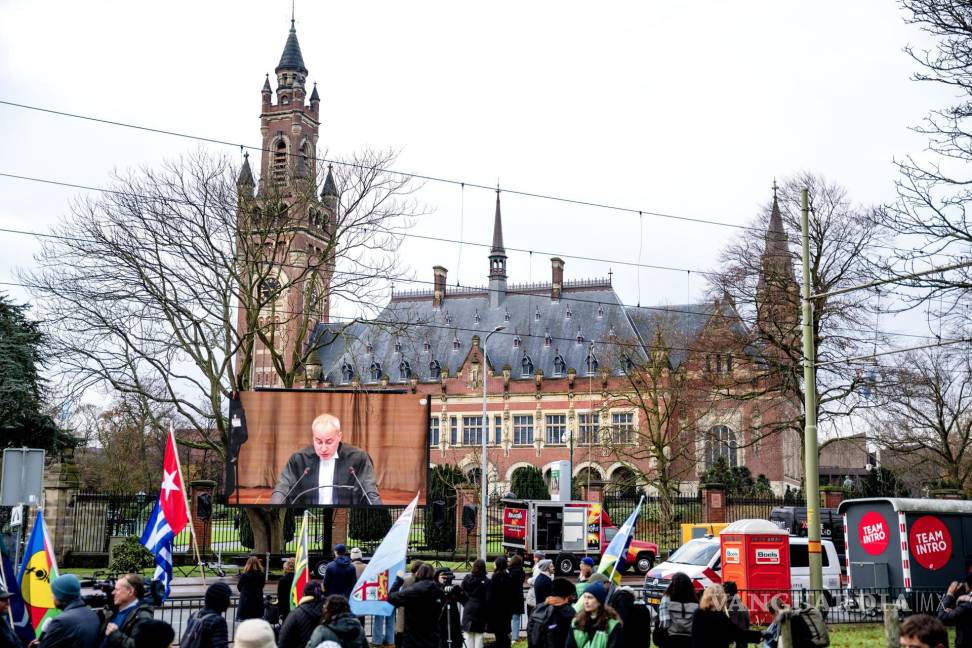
(17, 611)
(169, 517)
(37, 572)
(301, 568)
(370, 593)
(613, 556)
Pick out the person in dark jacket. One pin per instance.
(129, 613)
(955, 610)
(450, 621)
(635, 617)
(8, 636)
(284, 586)
(339, 625)
(154, 633)
(399, 624)
(736, 609)
(77, 626)
(210, 621)
(711, 627)
(422, 603)
(550, 620)
(499, 594)
(474, 586)
(250, 586)
(302, 620)
(597, 624)
(543, 581)
(340, 575)
(518, 576)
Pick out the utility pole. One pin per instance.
(483, 478)
(812, 476)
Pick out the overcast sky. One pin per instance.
(683, 108)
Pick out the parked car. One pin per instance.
(793, 519)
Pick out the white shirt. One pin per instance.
(325, 477)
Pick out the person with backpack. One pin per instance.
(207, 628)
(597, 624)
(807, 626)
(474, 586)
(673, 626)
(338, 625)
(711, 627)
(302, 620)
(549, 623)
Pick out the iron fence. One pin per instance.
(740, 508)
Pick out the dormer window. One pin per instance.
(404, 370)
(628, 364)
(369, 348)
(536, 315)
(435, 371)
(398, 346)
(476, 317)
(456, 344)
(347, 372)
(526, 366)
(516, 341)
(448, 317)
(568, 313)
(559, 365)
(591, 361)
(426, 345)
(547, 340)
(506, 316)
(375, 371)
(600, 311)
(580, 337)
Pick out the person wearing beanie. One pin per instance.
(597, 625)
(154, 633)
(340, 575)
(77, 626)
(543, 581)
(586, 569)
(549, 624)
(300, 623)
(254, 633)
(207, 628)
(358, 562)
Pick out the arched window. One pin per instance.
(303, 165)
(279, 170)
(404, 370)
(720, 441)
(527, 367)
(547, 340)
(473, 475)
(435, 371)
(516, 341)
(347, 372)
(559, 365)
(624, 483)
(589, 475)
(375, 371)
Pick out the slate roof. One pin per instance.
(245, 178)
(291, 59)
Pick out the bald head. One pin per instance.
(326, 430)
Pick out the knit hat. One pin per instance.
(153, 633)
(598, 591)
(340, 550)
(255, 633)
(587, 560)
(218, 597)
(356, 554)
(563, 588)
(66, 587)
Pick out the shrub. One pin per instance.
(130, 556)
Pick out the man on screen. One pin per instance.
(329, 472)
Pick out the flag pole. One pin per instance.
(614, 567)
(185, 496)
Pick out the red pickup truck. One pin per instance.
(565, 532)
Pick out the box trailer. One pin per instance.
(907, 544)
(566, 532)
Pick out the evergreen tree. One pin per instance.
(528, 483)
(443, 482)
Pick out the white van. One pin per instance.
(699, 559)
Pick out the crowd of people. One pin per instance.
(432, 611)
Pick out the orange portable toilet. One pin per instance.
(756, 555)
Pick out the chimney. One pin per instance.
(557, 278)
(439, 286)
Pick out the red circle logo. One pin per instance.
(873, 533)
(930, 542)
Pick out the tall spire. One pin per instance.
(245, 179)
(291, 59)
(497, 260)
(776, 244)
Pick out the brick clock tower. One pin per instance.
(297, 228)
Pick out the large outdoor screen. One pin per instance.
(306, 448)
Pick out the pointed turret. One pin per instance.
(291, 71)
(330, 187)
(291, 59)
(245, 179)
(314, 96)
(497, 260)
(266, 85)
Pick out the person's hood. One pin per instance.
(346, 627)
(342, 560)
(556, 601)
(311, 602)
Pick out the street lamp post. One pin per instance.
(483, 480)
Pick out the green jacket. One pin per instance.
(578, 638)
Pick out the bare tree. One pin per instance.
(760, 276)
(928, 418)
(176, 275)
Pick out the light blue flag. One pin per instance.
(611, 560)
(370, 593)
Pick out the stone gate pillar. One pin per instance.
(714, 502)
(61, 484)
(202, 528)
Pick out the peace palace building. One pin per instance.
(554, 371)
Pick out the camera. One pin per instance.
(102, 588)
